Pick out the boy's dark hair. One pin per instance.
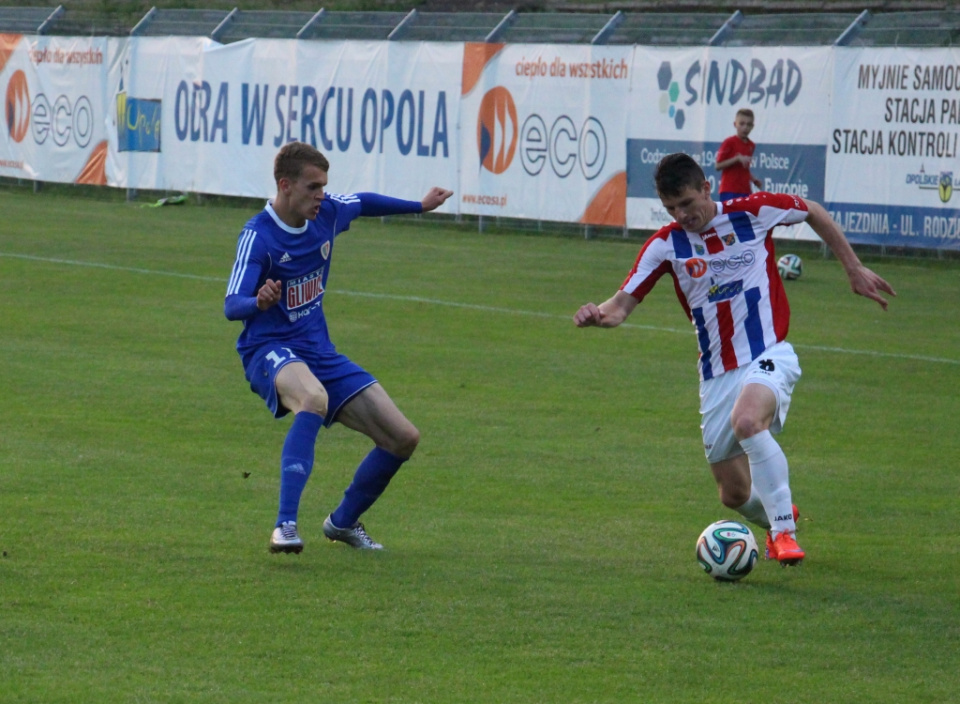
(676, 172)
(293, 156)
(746, 112)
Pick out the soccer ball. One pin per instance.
(790, 267)
(727, 550)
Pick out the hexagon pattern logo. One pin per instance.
(669, 95)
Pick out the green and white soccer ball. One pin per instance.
(790, 267)
(727, 550)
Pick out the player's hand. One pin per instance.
(435, 198)
(589, 315)
(745, 160)
(866, 283)
(758, 183)
(269, 294)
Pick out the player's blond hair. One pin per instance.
(293, 156)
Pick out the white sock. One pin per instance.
(754, 511)
(771, 480)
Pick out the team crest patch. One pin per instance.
(729, 239)
(946, 186)
(699, 249)
(325, 250)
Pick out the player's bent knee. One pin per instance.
(734, 497)
(405, 443)
(317, 402)
(746, 427)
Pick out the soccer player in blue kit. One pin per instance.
(276, 288)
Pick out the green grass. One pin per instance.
(539, 545)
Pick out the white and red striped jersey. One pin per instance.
(725, 277)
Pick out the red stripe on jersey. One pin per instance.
(714, 243)
(753, 204)
(779, 306)
(644, 288)
(725, 323)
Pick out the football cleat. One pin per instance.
(769, 551)
(354, 536)
(285, 538)
(785, 549)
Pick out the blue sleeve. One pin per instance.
(376, 205)
(251, 263)
(237, 307)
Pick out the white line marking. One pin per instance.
(468, 306)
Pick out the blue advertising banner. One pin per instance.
(797, 169)
(898, 225)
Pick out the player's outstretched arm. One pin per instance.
(435, 198)
(863, 281)
(608, 314)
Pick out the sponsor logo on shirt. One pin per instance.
(732, 263)
(696, 267)
(304, 290)
(724, 292)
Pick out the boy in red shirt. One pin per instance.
(734, 157)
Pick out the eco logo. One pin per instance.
(497, 130)
(17, 107)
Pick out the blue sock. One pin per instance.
(296, 462)
(372, 477)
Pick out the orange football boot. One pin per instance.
(785, 549)
(771, 552)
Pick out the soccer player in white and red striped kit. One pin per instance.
(724, 269)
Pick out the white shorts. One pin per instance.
(777, 368)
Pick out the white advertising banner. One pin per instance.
(686, 100)
(893, 173)
(542, 131)
(384, 113)
(54, 108)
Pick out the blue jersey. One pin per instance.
(300, 259)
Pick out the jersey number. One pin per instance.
(278, 360)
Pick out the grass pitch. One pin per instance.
(540, 546)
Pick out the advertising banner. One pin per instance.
(686, 100)
(892, 165)
(54, 108)
(383, 113)
(542, 132)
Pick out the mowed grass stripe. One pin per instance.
(470, 306)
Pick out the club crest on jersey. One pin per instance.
(724, 292)
(325, 250)
(699, 249)
(304, 290)
(729, 239)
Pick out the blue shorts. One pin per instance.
(341, 378)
